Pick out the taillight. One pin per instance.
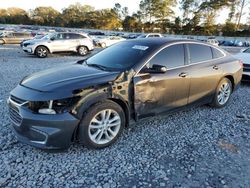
(241, 63)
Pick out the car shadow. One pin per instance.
(245, 83)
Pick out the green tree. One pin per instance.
(17, 16)
(3, 16)
(177, 29)
(45, 16)
(75, 14)
(131, 23)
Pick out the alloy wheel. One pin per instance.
(83, 51)
(104, 126)
(42, 52)
(224, 93)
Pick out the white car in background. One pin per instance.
(59, 42)
(150, 35)
(108, 41)
(244, 56)
(213, 42)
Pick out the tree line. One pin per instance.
(198, 17)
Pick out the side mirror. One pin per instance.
(52, 38)
(156, 69)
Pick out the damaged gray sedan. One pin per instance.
(91, 101)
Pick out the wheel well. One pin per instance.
(44, 47)
(231, 78)
(83, 46)
(3, 41)
(125, 108)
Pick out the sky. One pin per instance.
(133, 5)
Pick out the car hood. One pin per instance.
(245, 57)
(35, 40)
(70, 77)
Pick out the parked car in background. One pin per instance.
(150, 35)
(14, 37)
(108, 41)
(244, 56)
(59, 42)
(227, 43)
(238, 43)
(93, 100)
(213, 42)
(130, 35)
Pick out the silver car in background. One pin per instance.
(244, 56)
(14, 37)
(59, 42)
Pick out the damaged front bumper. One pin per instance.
(40, 130)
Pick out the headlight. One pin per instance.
(48, 110)
(30, 44)
(53, 106)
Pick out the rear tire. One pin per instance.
(102, 124)
(82, 51)
(222, 94)
(42, 52)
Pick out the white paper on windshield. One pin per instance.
(138, 47)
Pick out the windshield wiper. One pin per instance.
(96, 65)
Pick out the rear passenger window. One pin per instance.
(199, 52)
(171, 57)
(217, 53)
(18, 35)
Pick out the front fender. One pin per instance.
(85, 102)
(92, 96)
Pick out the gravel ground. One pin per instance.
(199, 147)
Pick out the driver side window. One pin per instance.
(170, 57)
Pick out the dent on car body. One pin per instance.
(119, 89)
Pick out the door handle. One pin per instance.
(183, 75)
(215, 67)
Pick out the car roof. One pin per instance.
(163, 41)
(157, 43)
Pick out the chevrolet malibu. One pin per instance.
(91, 101)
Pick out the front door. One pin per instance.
(59, 43)
(159, 92)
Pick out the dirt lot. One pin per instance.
(199, 147)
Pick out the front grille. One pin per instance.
(15, 116)
(246, 67)
(17, 100)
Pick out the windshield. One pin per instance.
(121, 56)
(142, 36)
(48, 36)
(38, 36)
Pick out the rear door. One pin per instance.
(156, 93)
(73, 41)
(9, 38)
(205, 72)
(58, 44)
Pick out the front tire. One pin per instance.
(102, 124)
(42, 52)
(223, 93)
(82, 51)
